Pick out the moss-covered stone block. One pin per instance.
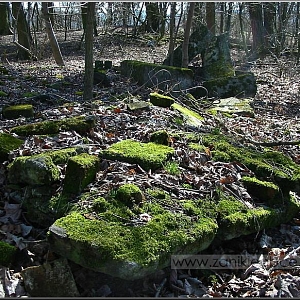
(160, 76)
(160, 137)
(17, 111)
(147, 155)
(271, 166)
(33, 170)
(138, 105)
(7, 144)
(235, 219)
(268, 192)
(161, 100)
(109, 244)
(7, 254)
(130, 194)
(232, 86)
(191, 118)
(81, 171)
(79, 124)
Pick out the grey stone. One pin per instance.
(52, 279)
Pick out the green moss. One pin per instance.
(61, 156)
(263, 190)
(145, 245)
(130, 194)
(3, 94)
(81, 171)
(15, 111)
(79, 124)
(147, 155)
(230, 206)
(7, 254)
(187, 112)
(172, 168)
(161, 100)
(7, 144)
(33, 170)
(271, 165)
(160, 137)
(197, 147)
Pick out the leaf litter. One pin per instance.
(276, 107)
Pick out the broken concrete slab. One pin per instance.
(233, 105)
(240, 85)
(158, 76)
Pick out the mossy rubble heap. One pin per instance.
(128, 236)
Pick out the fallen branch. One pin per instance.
(272, 144)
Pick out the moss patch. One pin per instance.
(267, 191)
(81, 171)
(160, 137)
(191, 117)
(118, 248)
(7, 253)
(130, 194)
(79, 124)
(33, 170)
(7, 144)
(161, 100)
(271, 166)
(147, 155)
(17, 111)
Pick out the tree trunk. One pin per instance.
(241, 7)
(52, 38)
(222, 8)
(187, 30)
(228, 20)
(24, 39)
(172, 33)
(4, 21)
(89, 68)
(152, 18)
(258, 34)
(211, 17)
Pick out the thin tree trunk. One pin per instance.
(24, 38)
(52, 38)
(89, 68)
(229, 14)
(211, 17)
(172, 33)
(187, 30)
(241, 6)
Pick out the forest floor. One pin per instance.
(277, 113)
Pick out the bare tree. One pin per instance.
(187, 30)
(24, 39)
(4, 21)
(52, 38)
(172, 33)
(89, 38)
(211, 17)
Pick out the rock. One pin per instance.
(17, 111)
(8, 253)
(7, 144)
(161, 100)
(243, 84)
(147, 155)
(52, 279)
(80, 124)
(100, 78)
(138, 105)
(232, 105)
(265, 191)
(191, 118)
(130, 195)
(198, 41)
(81, 170)
(216, 60)
(34, 170)
(159, 76)
(160, 137)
